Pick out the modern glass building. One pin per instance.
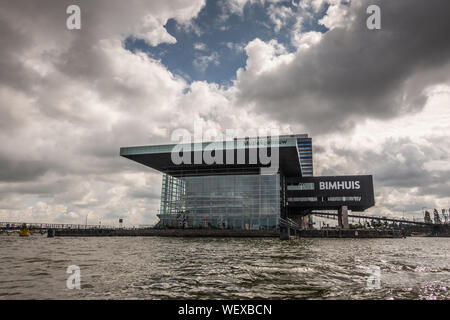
(245, 193)
(227, 201)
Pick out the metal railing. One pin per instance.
(38, 225)
(289, 223)
(334, 215)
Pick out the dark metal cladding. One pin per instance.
(331, 192)
(160, 158)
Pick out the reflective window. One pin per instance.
(302, 199)
(302, 186)
(344, 198)
(221, 201)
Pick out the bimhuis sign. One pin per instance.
(323, 188)
(339, 185)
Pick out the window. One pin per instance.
(302, 186)
(351, 198)
(240, 200)
(302, 199)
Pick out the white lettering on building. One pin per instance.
(339, 185)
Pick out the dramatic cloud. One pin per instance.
(279, 15)
(70, 99)
(201, 62)
(354, 73)
(408, 156)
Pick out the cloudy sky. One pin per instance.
(374, 101)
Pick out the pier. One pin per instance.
(283, 233)
(45, 226)
(287, 229)
(151, 232)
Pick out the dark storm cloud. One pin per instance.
(21, 170)
(399, 164)
(354, 73)
(12, 72)
(39, 187)
(70, 98)
(145, 192)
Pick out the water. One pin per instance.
(218, 268)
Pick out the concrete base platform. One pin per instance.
(332, 233)
(350, 233)
(164, 233)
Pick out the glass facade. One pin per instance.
(305, 155)
(347, 198)
(302, 186)
(303, 199)
(312, 199)
(221, 201)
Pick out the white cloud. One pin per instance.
(238, 47)
(408, 157)
(70, 107)
(264, 57)
(69, 100)
(303, 41)
(76, 99)
(237, 6)
(202, 62)
(200, 46)
(279, 15)
(314, 5)
(153, 32)
(338, 14)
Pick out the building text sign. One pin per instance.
(340, 185)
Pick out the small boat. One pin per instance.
(24, 231)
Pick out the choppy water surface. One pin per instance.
(219, 268)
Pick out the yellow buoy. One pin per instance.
(24, 231)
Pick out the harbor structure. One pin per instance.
(207, 190)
